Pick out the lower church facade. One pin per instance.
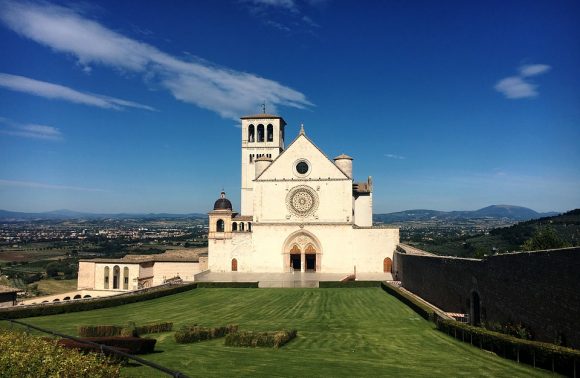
(300, 211)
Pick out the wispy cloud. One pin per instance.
(30, 130)
(286, 4)
(520, 86)
(30, 184)
(227, 92)
(59, 92)
(393, 156)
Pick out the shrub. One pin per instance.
(89, 348)
(22, 355)
(192, 334)
(99, 330)
(345, 284)
(75, 306)
(154, 328)
(224, 285)
(274, 339)
(537, 354)
(135, 345)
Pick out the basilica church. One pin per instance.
(300, 211)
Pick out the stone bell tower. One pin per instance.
(262, 136)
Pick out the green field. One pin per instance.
(341, 332)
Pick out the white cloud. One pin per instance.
(229, 93)
(29, 130)
(55, 91)
(520, 86)
(30, 184)
(287, 4)
(516, 87)
(534, 69)
(393, 156)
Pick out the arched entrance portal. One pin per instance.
(387, 265)
(302, 252)
(475, 309)
(234, 265)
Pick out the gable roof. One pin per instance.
(301, 134)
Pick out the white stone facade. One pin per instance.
(306, 212)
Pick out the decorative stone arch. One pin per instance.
(116, 276)
(234, 265)
(307, 246)
(249, 226)
(106, 278)
(251, 133)
(66, 299)
(234, 226)
(220, 225)
(475, 308)
(269, 133)
(87, 296)
(260, 132)
(125, 278)
(78, 296)
(387, 265)
(241, 226)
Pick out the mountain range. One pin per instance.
(516, 213)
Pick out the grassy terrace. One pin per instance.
(341, 332)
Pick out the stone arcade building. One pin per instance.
(300, 211)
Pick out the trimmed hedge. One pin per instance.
(543, 355)
(192, 334)
(135, 345)
(419, 307)
(130, 330)
(345, 284)
(20, 312)
(88, 348)
(99, 330)
(224, 285)
(274, 339)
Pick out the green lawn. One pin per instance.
(341, 332)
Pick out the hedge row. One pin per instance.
(419, 307)
(22, 355)
(20, 312)
(345, 284)
(135, 345)
(192, 334)
(130, 330)
(233, 285)
(543, 355)
(260, 339)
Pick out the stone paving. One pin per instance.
(287, 280)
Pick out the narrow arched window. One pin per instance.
(260, 133)
(126, 278)
(241, 226)
(234, 265)
(106, 280)
(220, 225)
(270, 133)
(234, 226)
(116, 276)
(251, 133)
(249, 226)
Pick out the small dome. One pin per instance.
(222, 203)
(343, 156)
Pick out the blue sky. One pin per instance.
(133, 106)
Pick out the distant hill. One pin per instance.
(516, 213)
(507, 239)
(14, 216)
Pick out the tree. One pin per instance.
(544, 238)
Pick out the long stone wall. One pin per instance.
(540, 289)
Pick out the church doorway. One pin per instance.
(475, 309)
(311, 262)
(387, 265)
(234, 265)
(295, 261)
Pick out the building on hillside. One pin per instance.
(8, 296)
(134, 272)
(300, 211)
